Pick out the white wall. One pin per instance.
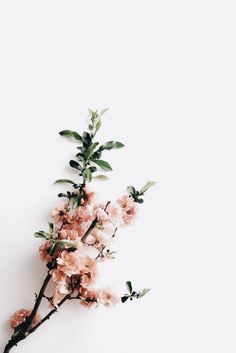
(167, 71)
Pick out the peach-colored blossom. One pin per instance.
(107, 297)
(20, 316)
(115, 213)
(70, 234)
(58, 276)
(88, 271)
(89, 198)
(98, 238)
(86, 213)
(101, 215)
(77, 226)
(68, 262)
(88, 263)
(44, 251)
(61, 212)
(129, 209)
(88, 297)
(57, 296)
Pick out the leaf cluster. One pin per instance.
(133, 294)
(137, 195)
(89, 156)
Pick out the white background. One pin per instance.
(166, 69)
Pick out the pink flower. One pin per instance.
(58, 276)
(101, 215)
(21, 315)
(115, 213)
(70, 234)
(107, 297)
(129, 208)
(86, 213)
(44, 251)
(90, 197)
(57, 297)
(68, 262)
(60, 213)
(88, 297)
(77, 227)
(98, 238)
(88, 271)
(88, 264)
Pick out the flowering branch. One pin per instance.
(81, 221)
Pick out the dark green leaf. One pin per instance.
(129, 286)
(70, 133)
(131, 190)
(62, 195)
(75, 165)
(124, 298)
(42, 234)
(139, 200)
(51, 227)
(77, 201)
(80, 156)
(91, 149)
(111, 145)
(93, 169)
(103, 164)
(97, 154)
(86, 138)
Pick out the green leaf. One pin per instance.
(139, 200)
(147, 186)
(70, 133)
(87, 174)
(59, 181)
(52, 249)
(91, 149)
(129, 286)
(77, 201)
(98, 125)
(67, 243)
(111, 145)
(144, 292)
(124, 298)
(62, 195)
(51, 227)
(103, 164)
(93, 169)
(86, 138)
(131, 190)
(101, 177)
(42, 234)
(75, 165)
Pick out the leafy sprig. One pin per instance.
(133, 294)
(90, 151)
(135, 194)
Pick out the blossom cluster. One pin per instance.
(75, 231)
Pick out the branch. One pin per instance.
(47, 317)
(89, 230)
(40, 296)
